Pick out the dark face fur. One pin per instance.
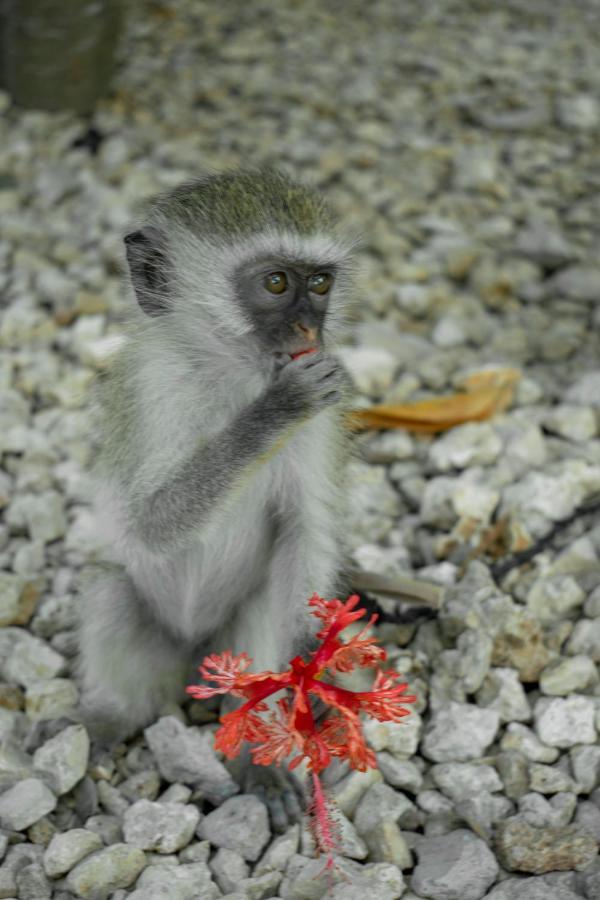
(286, 301)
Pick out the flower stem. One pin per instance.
(324, 826)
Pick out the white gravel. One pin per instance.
(461, 140)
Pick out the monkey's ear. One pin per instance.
(150, 269)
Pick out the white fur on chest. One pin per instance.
(194, 588)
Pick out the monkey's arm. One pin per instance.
(187, 499)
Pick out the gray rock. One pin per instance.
(303, 877)
(8, 883)
(543, 244)
(524, 740)
(580, 111)
(162, 827)
(577, 283)
(349, 790)
(32, 883)
(576, 423)
(11, 587)
(370, 491)
(585, 639)
(381, 802)
(400, 773)
(27, 659)
(240, 824)
(538, 811)
(434, 803)
(111, 799)
(474, 500)
(475, 167)
(466, 445)
(145, 785)
(555, 598)
(279, 852)
(187, 882)
(589, 882)
(42, 514)
(50, 699)
(480, 812)
(565, 722)
(531, 889)
(567, 675)
(349, 843)
(386, 844)
(540, 498)
(108, 828)
(450, 331)
(101, 873)
(586, 390)
(64, 758)
(591, 607)
(502, 691)
(387, 448)
(549, 779)
(462, 780)
(260, 887)
(512, 768)
(585, 763)
(455, 866)
(400, 738)
(175, 793)
(25, 803)
(196, 852)
(459, 732)
(67, 849)
(371, 368)
(186, 755)
(525, 848)
(228, 869)
(588, 816)
(414, 299)
(381, 881)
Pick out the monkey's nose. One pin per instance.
(309, 333)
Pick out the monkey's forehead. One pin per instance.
(239, 204)
(320, 250)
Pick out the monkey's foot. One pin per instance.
(280, 791)
(106, 727)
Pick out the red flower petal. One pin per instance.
(224, 669)
(384, 701)
(278, 737)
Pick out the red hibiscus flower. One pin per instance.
(292, 726)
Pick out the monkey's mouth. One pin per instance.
(303, 352)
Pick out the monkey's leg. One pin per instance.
(274, 625)
(129, 669)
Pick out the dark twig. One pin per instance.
(503, 566)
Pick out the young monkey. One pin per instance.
(222, 445)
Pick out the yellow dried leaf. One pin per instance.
(485, 394)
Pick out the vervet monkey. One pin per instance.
(220, 469)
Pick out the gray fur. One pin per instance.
(219, 477)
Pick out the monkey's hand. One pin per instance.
(308, 384)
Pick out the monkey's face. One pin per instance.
(286, 302)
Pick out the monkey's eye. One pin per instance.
(320, 284)
(276, 282)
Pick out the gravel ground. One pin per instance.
(462, 139)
